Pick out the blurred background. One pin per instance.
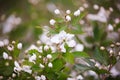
(23, 20)
(19, 19)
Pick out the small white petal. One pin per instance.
(96, 7)
(49, 56)
(79, 77)
(19, 45)
(68, 11)
(68, 18)
(43, 77)
(52, 21)
(32, 58)
(79, 47)
(50, 65)
(71, 43)
(77, 13)
(57, 11)
(27, 69)
(1, 43)
(6, 41)
(110, 27)
(5, 55)
(41, 65)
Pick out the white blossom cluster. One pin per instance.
(11, 22)
(4, 42)
(67, 17)
(57, 42)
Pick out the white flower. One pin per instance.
(68, 11)
(57, 11)
(46, 47)
(95, 6)
(50, 65)
(6, 41)
(1, 44)
(32, 47)
(79, 47)
(79, 77)
(17, 67)
(62, 48)
(77, 13)
(49, 56)
(5, 55)
(111, 9)
(68, 18)
(56, 39)
(71, 43)
(10, 57)
(19, 45)
(117, 20)
(13, 75)
(110, 27)
(101, 16)
(37, 78)
(10, 47)
(85, 5)
(52, 21)
(81, 8)
(27, 69)
(114, 72)
(41, 65)
(32, 58)
(11, 22)
(43, 77)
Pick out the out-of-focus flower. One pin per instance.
(57, 11)
(52, 21)
(11, 22)
(43, 77)
(5, 55)
(6, 41)
(85, 5)
(77, 13)
(79, 77)
(32, 58)
(10, 47)
(17, 67)
(101, 16)
(1, 43)
(49, 56)
(81, 8)
(68, 11)
(41, 65)
(95, 6)
(110, 27)
(114, 72)
(79, 47)
(27, 69)
(19, 45)
(68, 18)
(50, 65)
(32, 47)
(34, 2)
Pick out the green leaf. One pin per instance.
(96, 32)
(81, 68)
(62, 76)
(101, 56)
(80, 54)
(100, 71)
(69, 57)
(58, 64)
